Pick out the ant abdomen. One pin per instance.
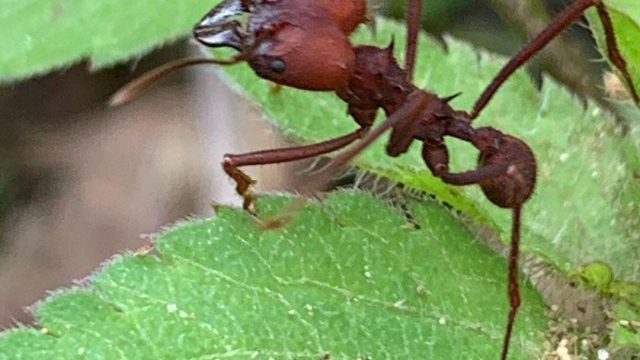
(516, 185)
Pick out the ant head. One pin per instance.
(311, 59)
(310, 52)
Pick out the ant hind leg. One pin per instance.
(414, 14)
(514, 286)
(613, 50)
(570, 15)
(506, 174)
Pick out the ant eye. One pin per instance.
(278, 66)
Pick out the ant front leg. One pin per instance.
(507, 176)
(232, 162)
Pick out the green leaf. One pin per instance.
(625, 15)
(438, 14)
(626, 327)
(40, 35)
(597, 275)
(350, 277)
(585, 207)
(627, 291)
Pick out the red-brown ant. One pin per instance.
(305, 44)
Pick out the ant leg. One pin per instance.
(232, 162)
(506, 174)
(474, 176)
(612, 48)
(559, 24)
(414, 12)
(484, 173)
(416, 102)
(436, 157)
(514, 285)
(488, 172)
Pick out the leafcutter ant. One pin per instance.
(306, 44)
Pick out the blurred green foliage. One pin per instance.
(437, 15)
(41, 35)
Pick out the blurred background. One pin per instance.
(80, 182)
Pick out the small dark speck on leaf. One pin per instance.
(57, 11)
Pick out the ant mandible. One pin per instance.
(305, 44)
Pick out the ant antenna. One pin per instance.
(132, 90)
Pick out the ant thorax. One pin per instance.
(377, 81)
